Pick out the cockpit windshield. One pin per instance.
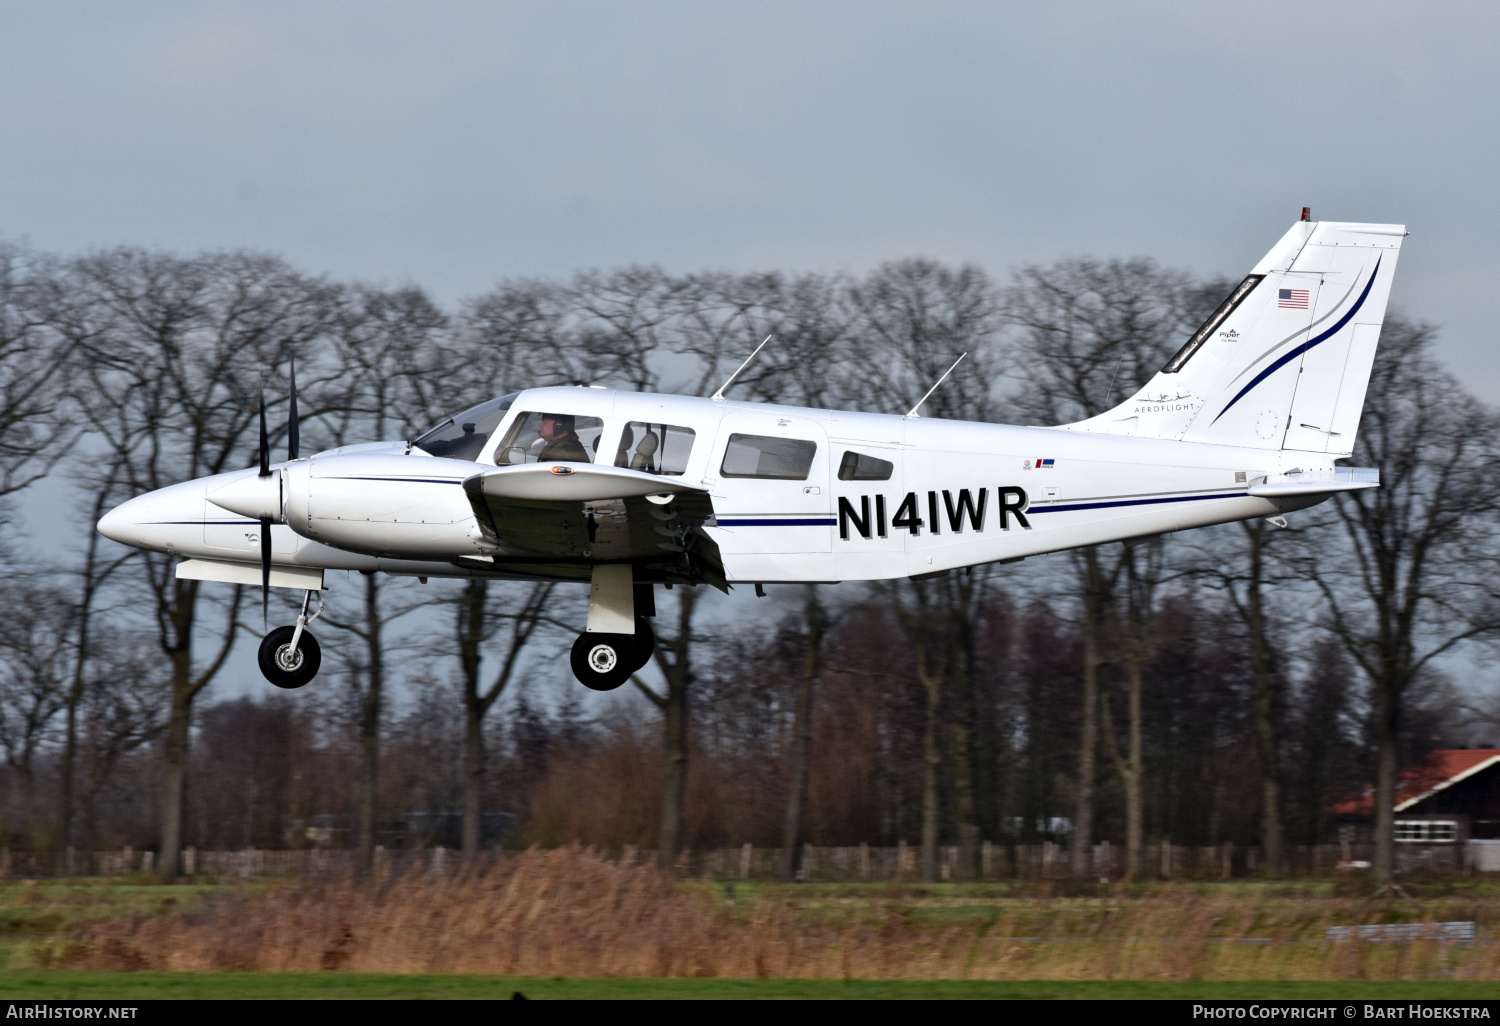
(463, 436)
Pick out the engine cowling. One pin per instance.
(404, 507)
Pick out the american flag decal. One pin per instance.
(1291, 299)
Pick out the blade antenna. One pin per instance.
(913, 411)
(720, 393)
(293, 436)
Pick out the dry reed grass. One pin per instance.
(573, 912)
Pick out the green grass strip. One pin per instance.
(63, 985)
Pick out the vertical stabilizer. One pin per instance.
(1284, 361)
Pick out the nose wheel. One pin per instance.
(602, 662)
(289, 656)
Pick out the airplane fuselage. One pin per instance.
(818, 495)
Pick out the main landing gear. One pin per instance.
(617, 642)
(289, 656)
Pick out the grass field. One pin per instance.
(73, 985)
(569, 923)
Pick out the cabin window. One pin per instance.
(781, 459)
(655, 448)
(856, 466)
(550, 438)
(1426, 831)
(462, 437)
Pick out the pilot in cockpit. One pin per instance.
(560, 442)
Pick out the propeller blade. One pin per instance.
(265, 442)
(293, 438)
(265, 572)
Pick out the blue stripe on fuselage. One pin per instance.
(819, 522)
(1070, 507)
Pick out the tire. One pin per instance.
(645, 642)
(310, 657)
(602, 662)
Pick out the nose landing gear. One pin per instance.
(289, 657)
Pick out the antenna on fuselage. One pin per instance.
(913, 411)
(720, 393)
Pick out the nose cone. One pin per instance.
(166, 520)
(116, 525)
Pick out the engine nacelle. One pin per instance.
(410, 507)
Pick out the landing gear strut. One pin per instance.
(289, 656)
(617, 642)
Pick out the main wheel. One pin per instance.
(645, 642)
(603, 662)
(282, 666)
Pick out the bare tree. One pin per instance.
(123, 712)
(35, 658)
(914, 318)
(524, 333)
(1418, 576)
(816, 625)
(90, 581)
(1142, 564)
(479, 619)
(1090, 333)
(674, 655)
(808, 317)
(1245, 574)
(627, 324)
(177, 353)
(36, 364)
(810, 361)
(387, 357)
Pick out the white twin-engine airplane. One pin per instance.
(626, 490)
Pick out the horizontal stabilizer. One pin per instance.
(1316, 482)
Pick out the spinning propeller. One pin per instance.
(265, 522)
(259, 497)
(292, 445)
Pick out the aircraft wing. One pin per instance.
(584, 513)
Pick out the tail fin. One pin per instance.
(1283, 363)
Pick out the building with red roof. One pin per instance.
(1449, 798)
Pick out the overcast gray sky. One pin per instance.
(455, 143)
(452, 144)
